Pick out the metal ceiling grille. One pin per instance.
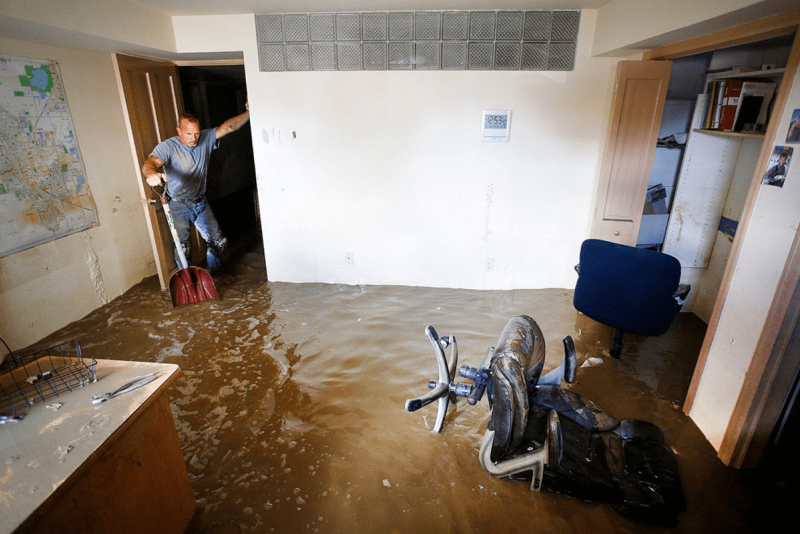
(418, 40)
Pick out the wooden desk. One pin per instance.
(112, 467)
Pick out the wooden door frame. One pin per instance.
(750, 425)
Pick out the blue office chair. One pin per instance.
(630, 289)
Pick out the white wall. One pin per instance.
(48, 286)
(389, 166)
(764, 252)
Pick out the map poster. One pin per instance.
(43, 189)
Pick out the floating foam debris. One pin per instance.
(386, 483)
(4, 419)
(591, 362)
(176, 349)
(55, 406)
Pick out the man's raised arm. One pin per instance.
(231, 125)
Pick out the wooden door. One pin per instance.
(152, 94)
(639, 95)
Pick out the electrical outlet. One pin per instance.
(488, 265)
(348, 258)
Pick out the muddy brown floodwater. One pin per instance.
(289, 405)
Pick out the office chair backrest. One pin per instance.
(627, 288)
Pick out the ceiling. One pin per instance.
(217, 7)
(74, 35)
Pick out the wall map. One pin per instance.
(43, 189)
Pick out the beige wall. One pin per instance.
(48, 286)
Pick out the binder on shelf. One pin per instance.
(754, 101)
(708, 107)
(719, 97)
(730, 103)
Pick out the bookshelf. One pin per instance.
(764, 73)
(722, 133)
(717, 167)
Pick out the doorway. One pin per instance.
(743, 433)
(701, 175)
(215, 94)
(153, 96)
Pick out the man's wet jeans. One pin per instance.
(184, 214)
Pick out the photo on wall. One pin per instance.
(778, 166)
(793, 135)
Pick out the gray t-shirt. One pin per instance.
(187, 167)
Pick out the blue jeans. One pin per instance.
(185, 214)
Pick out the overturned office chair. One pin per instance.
(632, 290)
(551, 436)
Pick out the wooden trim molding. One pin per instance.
(757, 30)
(208, 62)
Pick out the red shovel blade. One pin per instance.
(190, 285)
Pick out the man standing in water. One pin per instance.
(185, 160)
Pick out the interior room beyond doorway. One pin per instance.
(703, 176)
(214, 94)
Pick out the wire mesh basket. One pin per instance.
(42, 375)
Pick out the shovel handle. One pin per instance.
(162, 195)
(168, 213)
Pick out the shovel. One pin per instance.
(188, 284)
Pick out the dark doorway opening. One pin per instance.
(215, 94)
